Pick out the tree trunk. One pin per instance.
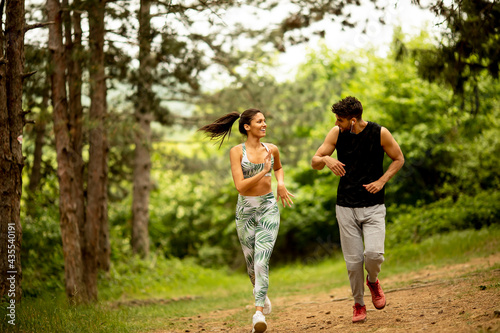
(143, 116)
(73, 49)
(11, 157)
(40, 126)
(104, 247)
(142, 169)
(97, 219)
(73, 265)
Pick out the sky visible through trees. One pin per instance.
(402, 13)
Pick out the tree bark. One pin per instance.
(11, 158)
(40, 126)
(143, 116)
(97, 219)
(73, 50)
(104, 247)
(73, 264)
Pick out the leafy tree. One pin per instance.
(467, 48)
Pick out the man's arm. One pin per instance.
(324, 152)
(392, 150)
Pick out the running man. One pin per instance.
(360, 208)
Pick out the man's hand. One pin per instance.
(375, 186)
(336, 166)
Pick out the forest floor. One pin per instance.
(455, 298)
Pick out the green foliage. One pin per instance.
(447, 153)
(41, 251)
(133, 278)
(42, 256)
(467, 49)
(193, 215)
(416, 224)
(449, 182)
(146, 295)
(442, 249)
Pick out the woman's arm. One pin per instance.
(242, 184)
(283, 193)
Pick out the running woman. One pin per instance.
(360, 208)
(257, 213)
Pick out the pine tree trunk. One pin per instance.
(73, 264)
(97, 219)
(11, 158)
(143, 116)
(39, 131)
(73, 49)
(142, 169)
(40, 126)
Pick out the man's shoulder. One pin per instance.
(374, 124)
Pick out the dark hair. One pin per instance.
(349, 107)
(220, 128)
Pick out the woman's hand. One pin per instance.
(284, 195)
(267, 162)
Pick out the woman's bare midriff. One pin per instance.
(263, 187)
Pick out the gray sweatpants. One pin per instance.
(356, 224)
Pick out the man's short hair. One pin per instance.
(349, 107)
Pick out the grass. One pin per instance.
(140, 296)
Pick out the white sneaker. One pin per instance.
(267, 305)
(259, 323)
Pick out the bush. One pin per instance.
(418, 223)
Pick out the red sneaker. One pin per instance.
(359, 313)
(378, 297)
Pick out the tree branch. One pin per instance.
(27, 75)
(37, 25)
(3, 61)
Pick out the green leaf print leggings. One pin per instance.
(257, 223)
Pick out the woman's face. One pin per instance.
(257, 126)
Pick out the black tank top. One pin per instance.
(363, 157)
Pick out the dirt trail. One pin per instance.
(457, 298)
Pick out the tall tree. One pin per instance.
(97, 213)
(73, 56)
(468, 47)
(11, 157)
(37, 96)
(66, 170)
(142, 138)
(40, 133)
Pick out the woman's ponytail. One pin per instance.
(219, 129)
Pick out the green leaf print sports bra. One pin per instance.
(251, 169)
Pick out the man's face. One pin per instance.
(343, 123)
